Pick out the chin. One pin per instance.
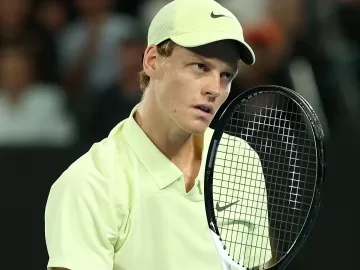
(198, 132)
(197, 128)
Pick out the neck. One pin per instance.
(174, 143)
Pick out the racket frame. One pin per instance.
(318, 133)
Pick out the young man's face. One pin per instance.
(192, 84)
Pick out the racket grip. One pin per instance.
(226, 261)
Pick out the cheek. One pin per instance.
(175, 89)
(224, 95)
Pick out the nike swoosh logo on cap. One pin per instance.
(216, 15)
(222, 208)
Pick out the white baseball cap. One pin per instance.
(192, 23)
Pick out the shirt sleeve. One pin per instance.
(80, 223)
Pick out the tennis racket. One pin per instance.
(263, 178)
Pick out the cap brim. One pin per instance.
(198, 39)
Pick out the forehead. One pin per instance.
(225, 51)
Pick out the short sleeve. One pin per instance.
(80, 223)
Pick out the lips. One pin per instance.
(205, 108)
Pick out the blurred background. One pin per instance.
(68, 75)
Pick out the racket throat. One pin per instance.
(226, 261)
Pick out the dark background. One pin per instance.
(322, 32)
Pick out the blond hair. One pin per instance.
(165, 49)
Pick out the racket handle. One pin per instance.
(226, 261)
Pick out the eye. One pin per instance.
(227, 75)
(200, 66)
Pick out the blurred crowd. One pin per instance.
(68, 69)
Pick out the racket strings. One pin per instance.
(272, 187)
(280, 171)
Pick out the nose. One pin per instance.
(212, 87)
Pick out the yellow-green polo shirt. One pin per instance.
(123, 205)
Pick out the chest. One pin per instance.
(165, 230)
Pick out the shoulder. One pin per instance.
(100, 172)
(87, 211)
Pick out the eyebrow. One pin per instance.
(195, 56)
(234, 70)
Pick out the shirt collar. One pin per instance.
(161, 169)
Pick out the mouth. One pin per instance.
(207, 109)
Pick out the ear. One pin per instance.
(149, 61)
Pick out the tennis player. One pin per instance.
(135, 200)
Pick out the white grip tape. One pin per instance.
(226, 261)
